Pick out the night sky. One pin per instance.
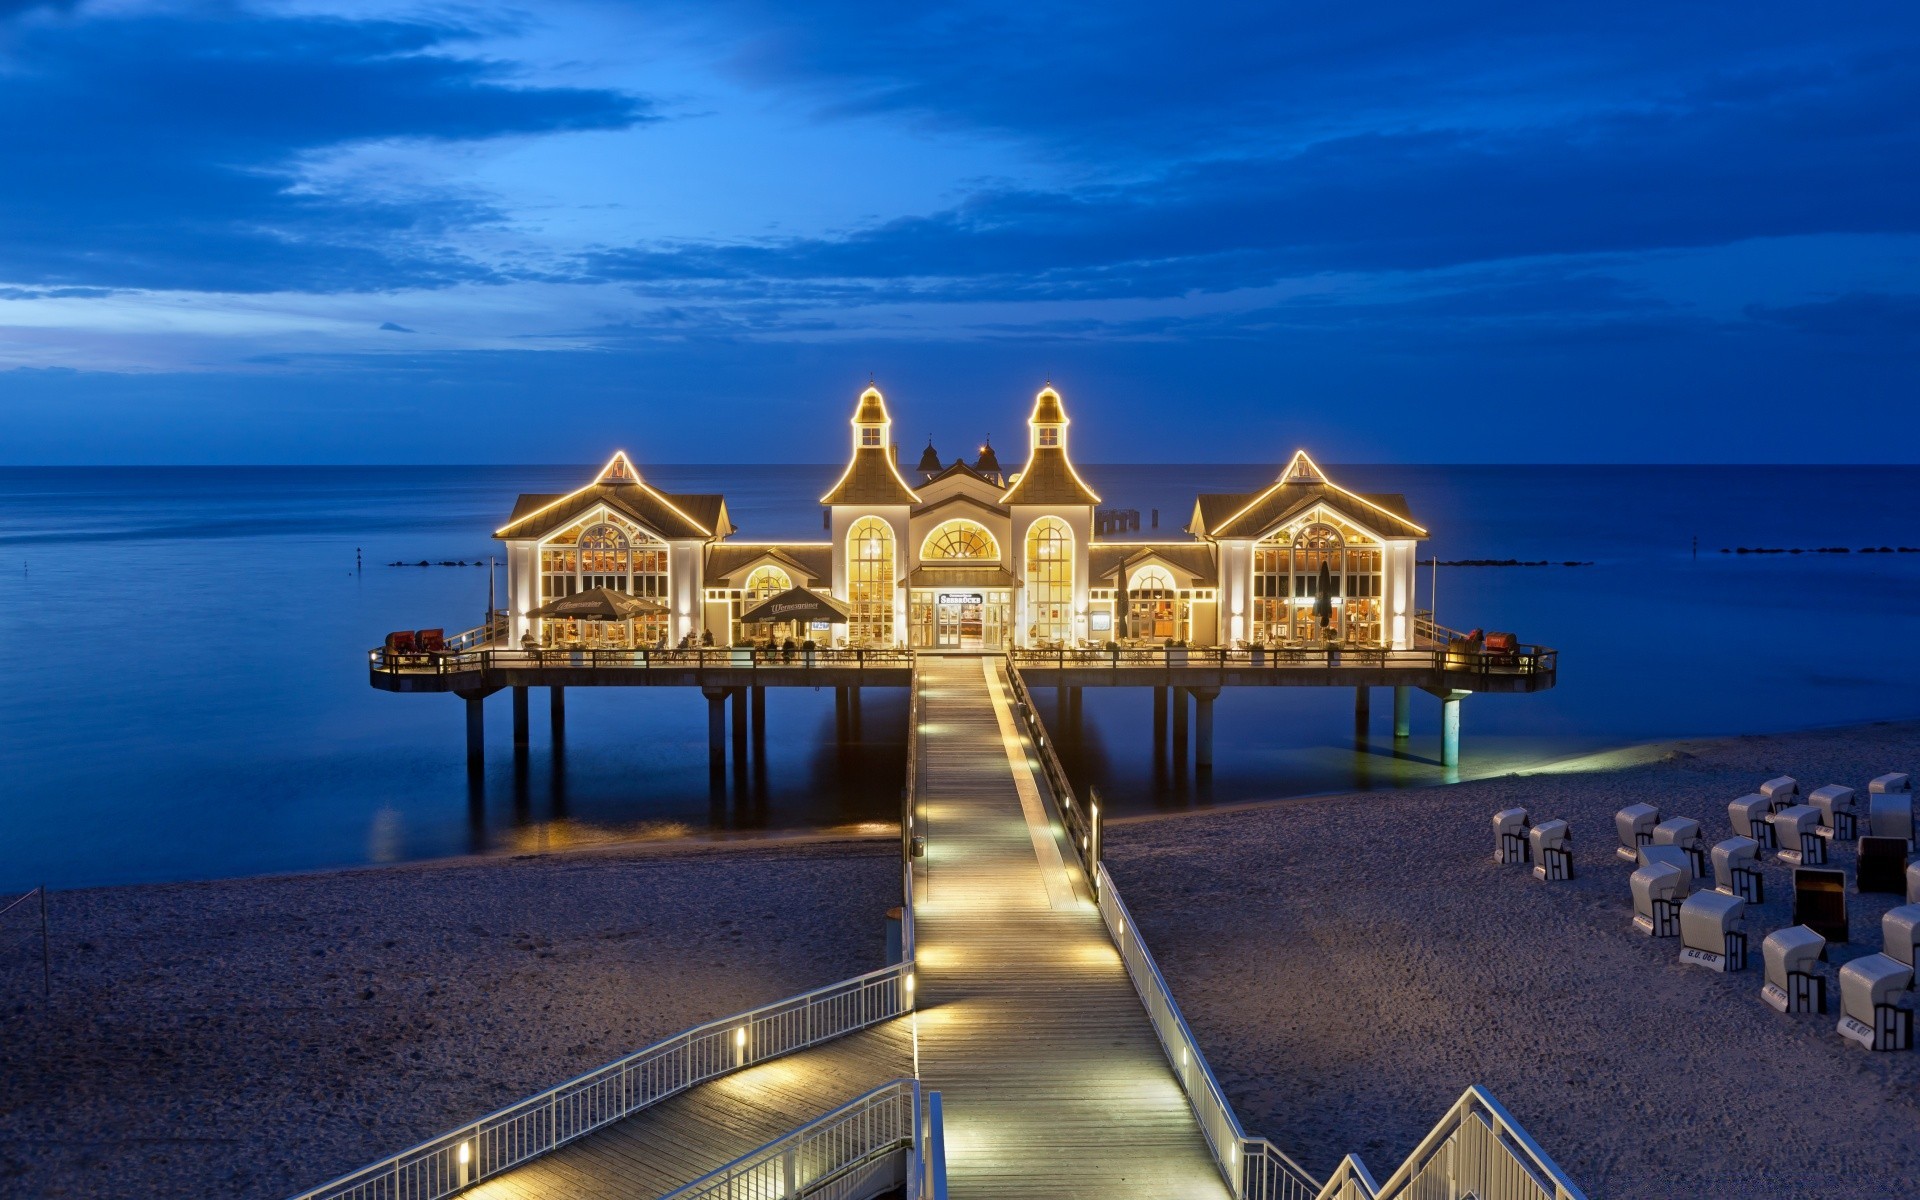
(1399, 231)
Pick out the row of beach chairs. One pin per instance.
(1668, 855)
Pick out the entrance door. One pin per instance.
(946, 625)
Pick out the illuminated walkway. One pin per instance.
(1053, 1082)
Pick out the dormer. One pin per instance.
(871, 477)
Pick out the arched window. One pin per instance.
(1151, 579)
(1286, 582)
(603, 557)
(1050, 580)
(870, 582)
(960, 539)
(765, 583)
(613, 554)
(1153, 608)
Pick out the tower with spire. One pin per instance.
(870, 505)
(1052, 522)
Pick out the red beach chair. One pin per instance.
(431, 641)
(400, 643)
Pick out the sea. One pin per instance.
(184, 692)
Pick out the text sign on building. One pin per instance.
(962, 598)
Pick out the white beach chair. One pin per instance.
(1913, 883)
(1900, 934)
(1684, 832)
(1552, 847)
(1890, 814)
(1781, 791)
(1749, 817)
(1838, 816)
(1870, 1012)
(1510, 836)
(1713, 932)
(1888, 784)
(1659, 888)
(1790, 959)
(1796, 830)
(1736, 869)
(1634, 824)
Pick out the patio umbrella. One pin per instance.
(1120, 605)
(796, 604)
(1323, 602)
(598, 604)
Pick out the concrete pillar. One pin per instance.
(1159, 717)
(520, 722)
(1402, 713)
(558, 712)
(476, 731)
(1362, 705)
(1203, 699)
(1450, 728)
(739, 722)
(759, 717)
(853, 712)
(716, 727)
(1180, 725)
(840, 713)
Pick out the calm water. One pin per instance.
(186, 693)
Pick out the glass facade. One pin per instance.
(1049, 581)
(1286, 584)
(870, 583)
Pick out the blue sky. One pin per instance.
(1485, 231)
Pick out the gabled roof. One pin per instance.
(619, 486)
(1194, 558)
(1301, 486)
(1049, 479)
(810, 565)
(959, 467)
(961, 498)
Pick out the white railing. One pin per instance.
(1477, 1149)
(866, 1147)
(1253, 1167)
(538, 1124)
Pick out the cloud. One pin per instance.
(390, 327)
(1880, 316)
(162, 151)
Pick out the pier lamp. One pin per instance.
(465, 1157)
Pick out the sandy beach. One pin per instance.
(1353, 963)
(254, 1037)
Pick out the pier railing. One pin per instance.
(1082, 821)
(544, 1122)
(1477, 1149)
(1253, 1167)
(454, 662)
(870, 1145)
(1524, 661)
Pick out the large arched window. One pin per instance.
(870, 582)
(607, 553)
(960, 539)
(765, 583)
(1286, 582)
(1049, 580)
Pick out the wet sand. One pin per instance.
(1353, 963)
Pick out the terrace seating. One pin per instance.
(1838, 816)
(1736, 869)
(1713, 932)
(1552, 846)
(1658, 891)
(431, 641)
(1502, 647)
(1870, 1012)
(1780, 792)
(1796, 829)
(1684, 832)
(1790, 961)
(1510, 836)
(1890, 813)
(1749, 817)
(1634, 824)
(1900, 934)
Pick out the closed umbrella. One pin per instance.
(1323, 602)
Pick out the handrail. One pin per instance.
(532, 1127)
(933, 1152)
(1082, 821)
(1253, 1167)
(1525, 660)
(832, 1157)
(452, 661)
(1476, 1148)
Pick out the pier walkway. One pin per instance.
(1053, 1081)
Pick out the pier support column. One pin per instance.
(1362, 705)
(759, 717)
(1159, 719)
(1180, 726)
(1203, 699)
(716, 727)
(739, 723)
(557, 696)
(476, 731)
(840, 714)
(520, 722)
(1450, 728)
(1402, 713)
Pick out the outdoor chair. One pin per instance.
(1781, 792)
(1749, 816)
(1890, 814)
(1510, 836)
(1820, 903)
(1796, 830)
(1881, 865)
(1658, 891)
(1900, 934)
(1913, 883)
(1634, 824)
(1713, 932)
(1790, 959)
(1838, 817)
(1736, 869)
(1870, 1012)
(1684, 832)
(1552, 846)
(1893, 781)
